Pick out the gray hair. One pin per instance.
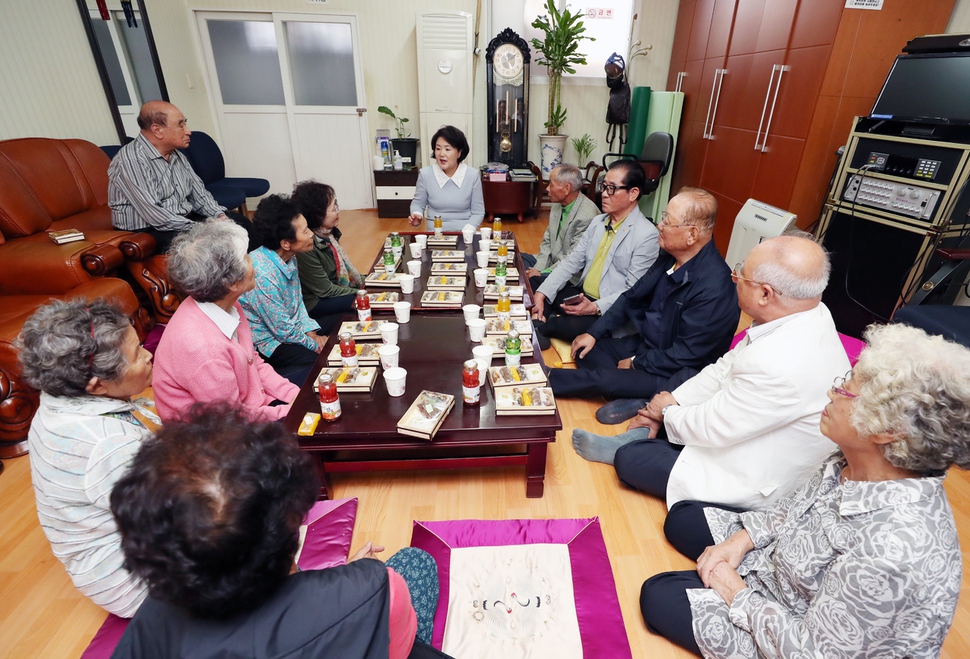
(207, 259)
(64, 344)
(786, 273)
(701, 208)
(570, 174)
(916, 387)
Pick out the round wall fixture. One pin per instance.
(445, 66)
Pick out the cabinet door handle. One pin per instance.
(764, 108)
(712, 104)
(774, 101)
(680, 81)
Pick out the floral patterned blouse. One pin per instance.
(853, 569)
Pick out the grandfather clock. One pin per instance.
(507, 60)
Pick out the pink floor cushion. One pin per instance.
(524, 588)
(853, 347)
(324, 542)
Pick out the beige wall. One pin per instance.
(960, 18)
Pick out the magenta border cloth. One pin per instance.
(107, 638)
(330, 528)
(597, 607)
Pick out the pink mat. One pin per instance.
(330, 528)
(601, 628)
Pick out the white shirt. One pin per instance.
(442, 178)
(226, 322)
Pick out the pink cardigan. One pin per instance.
(195, 362)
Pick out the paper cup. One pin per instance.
(422, 239)
(483, 355)
(484, 245)
(407, 283)
(481, 277)
(395, 378)
(486, 233)
(471, 311)
(476, 329)
(415, 248)
(414, 267)
(482, 259)
(389, 333)
(402, 311)
(468, 233)
(389, 355)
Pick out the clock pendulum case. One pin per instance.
(507, 64)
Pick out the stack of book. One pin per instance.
(513, 401)
(518, 311)
(65, 236)
(359, 379)
(492, 292)
(369, 331)
(379, 279)
(366, 355)
(506, 376)
(521, 174)
(439, 283)
(384, 300)
(494, 326)
(455, 255)
(426, 414)
(497, 343)
(443, 299)
(511, 274)
(446, 241)
(446, 268)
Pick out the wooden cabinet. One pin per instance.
(394, 191)
(771, 88)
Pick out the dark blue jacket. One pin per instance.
(698, 319)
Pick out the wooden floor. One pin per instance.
(42, 615)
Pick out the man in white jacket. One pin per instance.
(744, 431)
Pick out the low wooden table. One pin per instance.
(365, 437)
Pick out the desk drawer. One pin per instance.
(405, 192)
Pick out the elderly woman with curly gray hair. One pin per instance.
(863, 560)
(206, 353)
(86, 360)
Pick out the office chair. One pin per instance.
(658, 150)
(206, 159)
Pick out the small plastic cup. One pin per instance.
(414, 267)
(471, 311)
(395, 378)
(486, 232)
(482, 259)
(407, 283)
(485, 245)
(402, 311)
(389, 356)
(483, 355)
(468, 233)
(476, 329)
(389, 333)
(415, 248)
(422, 239)
(481, 277)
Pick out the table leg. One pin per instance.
(520, 217)
(326, 484)
(535, 470)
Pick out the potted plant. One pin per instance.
(404, 144)
(584, 146)
(558, 50)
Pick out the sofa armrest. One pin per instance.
(102, 259)
(137, 246)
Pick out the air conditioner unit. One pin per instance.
(446, 42)
(756, 222)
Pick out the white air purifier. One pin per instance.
(756, 222)
(446, 42)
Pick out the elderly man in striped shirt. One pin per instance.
(151, 185)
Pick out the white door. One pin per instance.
(289, 99)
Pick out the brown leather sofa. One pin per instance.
(48, 185)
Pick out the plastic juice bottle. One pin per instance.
(503, 308)
(471, 389)
(501, 271)
(397, 245)
(348, 350)
(513, 349)
(503, 248)
(388, 261)
(364, 313)
(438, 226)
(329, 400)
(497, 228)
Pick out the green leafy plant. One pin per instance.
(398, 121)
(559, 52)
(584, 147)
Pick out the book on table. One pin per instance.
(366, 331)
(383, 300)
(503, 327)
(511, 274)
(446, 240)
(65, 236)
(497, 343)
(448, 268)
(445, 299)
(352, 379)
(426, 414)
(524, 374)
(524, 400)
(454, 255)
(366, 355)
(441, 283)
(378, 279)
(492, 292)
(517, 312)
